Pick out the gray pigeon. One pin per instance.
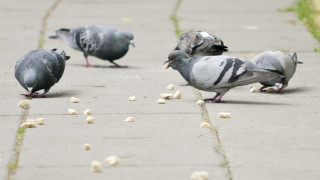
(40, 69)
(279, 62)
(200, 43)
(100, 41)
(216, 73)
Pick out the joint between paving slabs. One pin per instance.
(14, 160)
(218, 145)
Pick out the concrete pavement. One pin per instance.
(268, 137)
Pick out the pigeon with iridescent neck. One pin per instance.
(278, 62)
(216, 73)
(103, 42)
(40, 69)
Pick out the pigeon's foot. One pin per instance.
(262, 89)
(89, 65)
(187, 84)
(117, 65)
(35, 94)
(211, 100)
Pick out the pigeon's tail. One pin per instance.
(60, 32)
(220, 47)
(295, 59)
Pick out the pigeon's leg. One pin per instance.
(30, 94)
(218, 99)
(117, 65)
(261, 89)
(187, 84)
(87, 62)
(284, 85)
(212, 100)
(43, 95)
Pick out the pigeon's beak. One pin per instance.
(132, 43)
(166, 64)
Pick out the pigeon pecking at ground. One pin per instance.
(40, 69)
(200, 43)
(100, 41)
(278, 62)
(216, 73)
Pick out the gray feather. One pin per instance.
(100, 41)
(200, 43)
(279, 62)
(39, 69)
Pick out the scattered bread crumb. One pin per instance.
(31, 121)
(87, 112)
(161, 101)
(253, 89)
(205, 125)
(177, 95)
(74, 100)
(86, 146)
(224, 115)
(95, 166)
(170, 87)
(29, 124)
(166, 65)
(40, 121)
(90, 120)
(25, 104)
(112, 160)
(129, 119)
(166, 96)
(132, 98)
(72, 112)
(270, 90)
(200, 102)
(199, 175)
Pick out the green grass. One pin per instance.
(12, 165)
(306, 12)
(175, 19)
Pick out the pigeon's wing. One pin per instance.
(186, 41)
(268, 61)
(226, 72)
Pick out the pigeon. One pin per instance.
(278, 62)
(200, 43)
(40, 69)
(216, 73)
(96, 40)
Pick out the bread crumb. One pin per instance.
(177, 95)
(129, 119)
(270, 90)
(40, 121)
(224, 115)
(86, 146)
(170, 87)
(253, 90)
(199, 175)
(200, 102)
(31, 121)
(112, 160)
(24, 125)
(90, 120)
(205, 125)
(72, 112)
(132, 98)
(25, 104)
(74, 100)
(95, 166)
(166, 96)
(161, 101)
(87, 112)
(29, 124)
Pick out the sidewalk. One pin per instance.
(268, 137)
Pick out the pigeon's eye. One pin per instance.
(127, 37)
(172, 57)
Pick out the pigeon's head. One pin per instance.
(176, 59)
(128, 36)
(30, 78)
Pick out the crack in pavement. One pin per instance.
(18, 142)
(217, 145)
